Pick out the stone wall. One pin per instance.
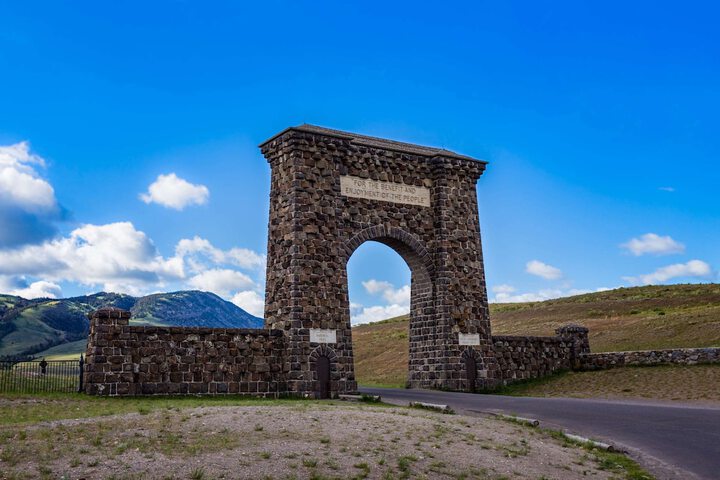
(678, 356)
(522, 358)
(526, 357)
(123, 359)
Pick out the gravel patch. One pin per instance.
(322, 440)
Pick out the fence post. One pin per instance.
(80, 383)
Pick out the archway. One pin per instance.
(422, 339)
(332, 191)
(379, 290)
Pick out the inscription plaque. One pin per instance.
(469, 338)
(320, 335)
(357, 187)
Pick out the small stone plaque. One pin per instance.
(357, 187)
(469, 338)
(320, 335)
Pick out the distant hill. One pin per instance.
(639, 318)
(30, 327)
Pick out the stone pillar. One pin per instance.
(461, 303)
(306, 286)
(105, 324)
(577, 337)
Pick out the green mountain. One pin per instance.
(30, 327)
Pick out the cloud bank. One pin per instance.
(691, 269)
(29, 210)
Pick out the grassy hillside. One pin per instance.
(191, 308)
(637, 318)
(30, 327)
(696, 383)
(64, 351)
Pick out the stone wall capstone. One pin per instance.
(677, 356)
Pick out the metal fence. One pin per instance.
(41, 376)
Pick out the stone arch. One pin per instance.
(409, 247)
(324, 351)
(332, 191)
(421, 338)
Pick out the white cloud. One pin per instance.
(197, 247)
(28, 208)
(540, 269)
(174, 192)
(221, 281)
(667, 189)
(373, 286)
(653, 243)
(118, 258)
(398, 300)
(400, 296)
(379, 312)
(693, 268)
(250, 301)
(504, 288)
(114, 255)
(391, 294)
(541, 295)
(20, 183)
(39, 289)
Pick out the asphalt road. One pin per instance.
(672, 441)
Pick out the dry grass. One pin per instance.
(641, 318)
(698, 384)
(381, 352)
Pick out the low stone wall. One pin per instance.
(526, 357)
(678, 356)
(521, 358)
(123, 359)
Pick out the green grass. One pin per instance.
(66, 351)
(617, 463)
(58, 406)
(29, 331)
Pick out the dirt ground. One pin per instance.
(308, 440)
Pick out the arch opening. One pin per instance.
(384, 354)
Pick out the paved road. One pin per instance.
(673, 441)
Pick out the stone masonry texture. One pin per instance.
(313, 229)
(123, 359)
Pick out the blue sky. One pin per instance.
(599, 122)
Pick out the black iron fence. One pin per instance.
(41, 376)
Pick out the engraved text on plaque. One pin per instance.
(357, 187)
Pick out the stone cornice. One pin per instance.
(374, 142)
